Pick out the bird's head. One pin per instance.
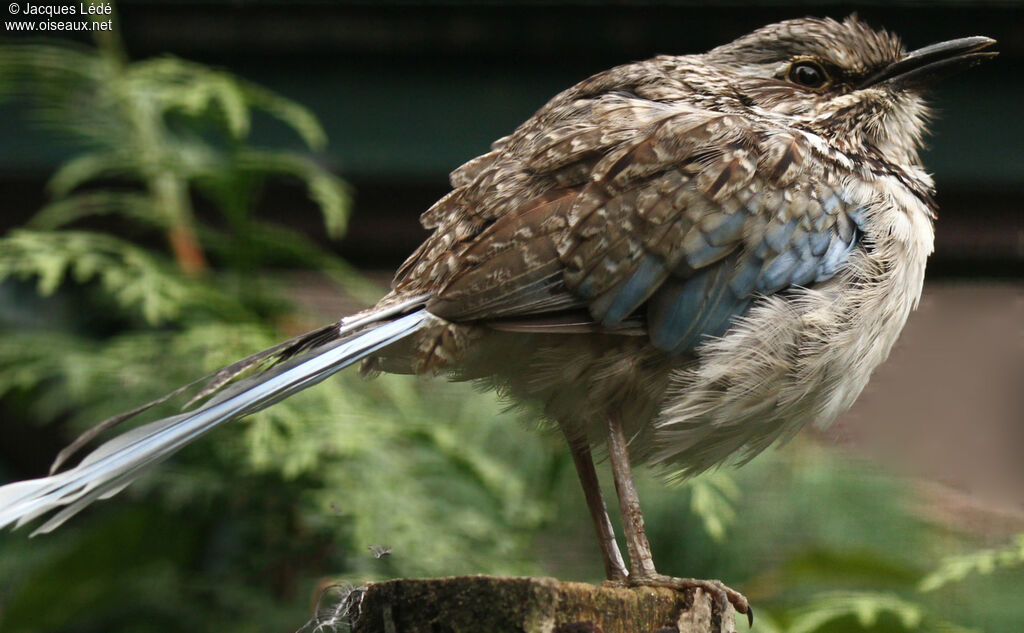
(853, 85)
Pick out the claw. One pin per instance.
(715, 589)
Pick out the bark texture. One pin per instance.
(482, 604)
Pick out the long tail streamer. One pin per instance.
(120, 461)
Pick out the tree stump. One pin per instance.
(483, 604)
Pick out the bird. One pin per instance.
(675, 262)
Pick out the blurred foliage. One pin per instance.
(985, 562)
(236, 533)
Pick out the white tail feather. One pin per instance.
(117, 463)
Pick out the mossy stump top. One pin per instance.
(483, 604)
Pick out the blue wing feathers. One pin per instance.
(831, 203)
(724, 228)
(858, 215)
(819, 242)
(674, 310)
(721, 309)
(745, 277)
(835, 256)
(776, 275)
(615, 305)
(778, 234)
(805, 272)
(700, 252)
(722, 263)
(683, 311)
(708, 254)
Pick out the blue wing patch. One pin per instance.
(721, 261)
(618, 303)
(684, 311)
(681, 313)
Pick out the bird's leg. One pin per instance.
(641, 563)
(614, 567)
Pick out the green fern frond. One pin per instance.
(90, 166)
(194, 88)
(95, 379)
(74, 91)
(135, 279)
(327, 190)
(135, 206)
(28, 359)
(865, 608)
(53, 66)
(296, 116)
(984, 562)
(713, 496)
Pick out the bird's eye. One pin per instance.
(807, 74)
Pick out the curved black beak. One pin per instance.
(931, 63)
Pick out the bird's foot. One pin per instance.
(715, 588)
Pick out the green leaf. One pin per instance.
(135, 206)
(86, 167)
(193, 88)
(71, 89)
(864, 607)
(712, 498)
(296, 116)
(327, 190)
(134, 278)
(984, 562)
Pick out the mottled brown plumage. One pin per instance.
(682, 259)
